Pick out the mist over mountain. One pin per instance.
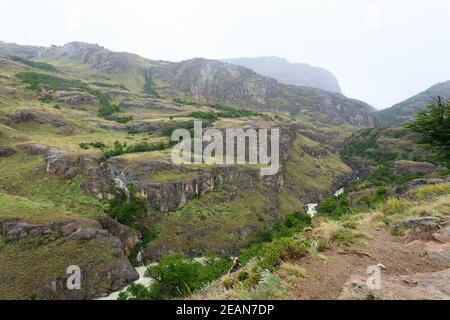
(405, 110)
(299, 74)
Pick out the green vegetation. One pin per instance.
(96, 144)
(119, 119)
(149, 85)
(109, 85)
(35, 64)
(27, 189)
(224, 111)
(231, 113)
(204, 115)
(37, 80)
(128, 213)
(167, 131)
(288, 227)
(433, 126)
(123, 148)
(347, 236)
(177, 275)
(334, 206)
(383, 175)
(432, 190)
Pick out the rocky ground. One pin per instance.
(409, 270)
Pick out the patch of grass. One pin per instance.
(169, 176)
(394, 205)
(432, 190)
(346, 236)
(26, 265)
(27, 191)
(35, 64)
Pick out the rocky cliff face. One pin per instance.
(219, 82)
(98, 57)
(50, 248)
(92, 55)
(27, 52)
(298, 74)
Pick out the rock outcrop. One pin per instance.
(405, 167)
(103, 272)
(6, 152)
(419, 286)
(412, 185)
(75, 97)
(129, 237)
(39, 116)
(215, 81)
(100, 58)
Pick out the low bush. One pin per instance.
(96, 144)
(177, 275)
(123, 148)
(283, 249)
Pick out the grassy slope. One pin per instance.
(305, 174)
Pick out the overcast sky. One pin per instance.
(382, 51)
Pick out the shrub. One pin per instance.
(96, 144)
(334, 206)
(149, 85)
(283, 249)
(292, 224)
(120, 148)
(136, 292)
(432, 125)
(177, 275)
(128, 213)
(228, 282)
(118, 119)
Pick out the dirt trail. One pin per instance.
(327, 277)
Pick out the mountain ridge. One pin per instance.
(284, 71)
(405, 110)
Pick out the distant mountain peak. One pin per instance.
(405, 110)
(286, 72)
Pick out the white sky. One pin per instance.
(382, 51)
